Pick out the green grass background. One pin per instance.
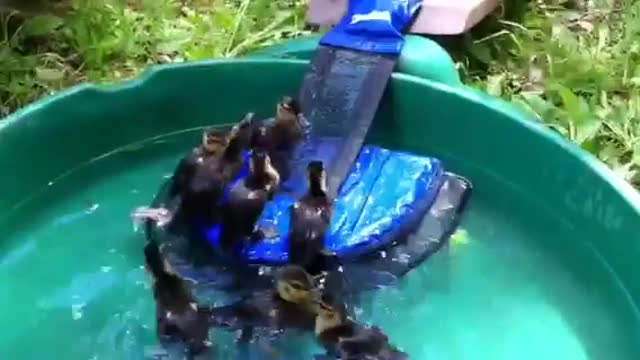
(574, 65)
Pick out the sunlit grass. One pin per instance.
(573, 64)
(107, 40)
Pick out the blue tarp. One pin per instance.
(373, 26)
(386, 194)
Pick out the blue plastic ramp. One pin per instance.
(383, 198)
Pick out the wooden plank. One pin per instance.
(437, 17)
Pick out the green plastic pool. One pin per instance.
(544, 265)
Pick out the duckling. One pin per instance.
(287, 127)
(346, 339)
(190, 182)
(247, 199)
(280, 136)
(310, 220)
(214, 143)
(290, 305)
(178, 317)
(214, 172)
(239, 140)
(206, 183)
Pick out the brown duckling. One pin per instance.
(247, 199)
(216, 171)
(239, 140)
(214, 143)
(205, 186)
(280, 136)
(287, 127)
(310, 220)
(291, 304)
(178, 317)
(346, 339)
(192, 181)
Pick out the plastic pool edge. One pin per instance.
(630, 195)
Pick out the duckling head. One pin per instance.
(331, 313)
(287, 110)
(317, 178)
(214, 141)
(295, 285)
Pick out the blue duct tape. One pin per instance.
(373, 26)
(385, 195)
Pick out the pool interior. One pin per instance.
(72, 283)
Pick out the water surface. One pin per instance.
(72, 284)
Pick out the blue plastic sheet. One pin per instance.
(386, 194)
(373, 25)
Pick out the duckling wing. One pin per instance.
(244, 208)
(183, 174)
(306, 236)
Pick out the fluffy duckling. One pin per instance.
(280, 136)
(206, 185)
(239, 140)
(178, 318)
(247, 199)
(215, 172)
(214, 143)
(310, 220)
(291, 304)
(348, 340)
(192, 187)
(287, 127)
(215, 146)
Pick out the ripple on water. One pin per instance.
(75, 283)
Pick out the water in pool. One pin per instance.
(72, 284)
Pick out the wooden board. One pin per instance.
(437, 17)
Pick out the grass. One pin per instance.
(574, 65)
(107, 40)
